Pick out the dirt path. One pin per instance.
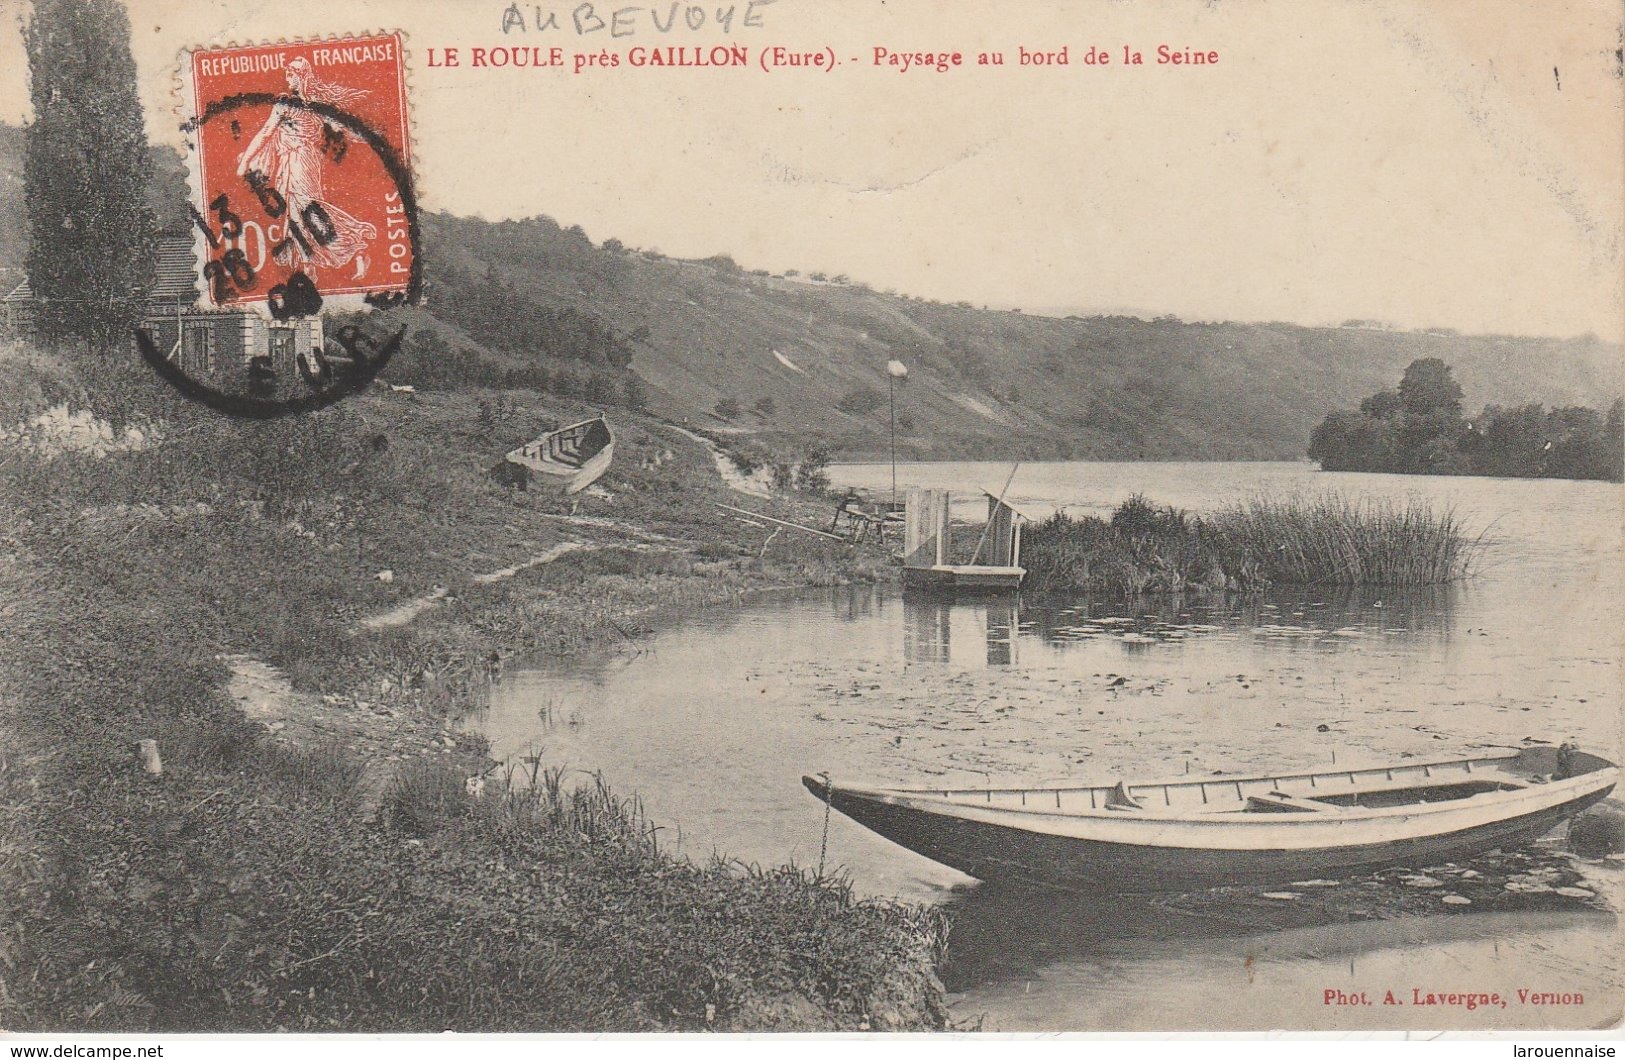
(731, 476)
(409, 611)
(380, 736)
(562, 549)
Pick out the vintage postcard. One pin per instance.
(811, 515)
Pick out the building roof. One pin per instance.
(177, 272)
(174, 277)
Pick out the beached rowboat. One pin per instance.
(569, 459)
(1187, 834)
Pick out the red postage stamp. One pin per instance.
(300, 175)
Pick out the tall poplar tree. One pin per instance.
(91, 239)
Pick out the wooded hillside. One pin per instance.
(793, 358)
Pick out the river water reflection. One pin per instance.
(713, 720)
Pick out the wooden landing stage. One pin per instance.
(964, 578)
(927, 546)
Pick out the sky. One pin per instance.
(1419, 162)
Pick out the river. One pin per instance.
(713, 720)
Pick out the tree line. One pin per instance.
(1419, 428)
(429, 361)
(496, 314)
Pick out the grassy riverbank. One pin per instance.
(1248, 546)
(325, 867)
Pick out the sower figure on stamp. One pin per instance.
(290, 151)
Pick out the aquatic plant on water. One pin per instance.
(1331, 539)
(1250, 545)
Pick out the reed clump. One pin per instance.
(1332, 539)
(1251, 545)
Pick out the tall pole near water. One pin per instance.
(891, 392)
(895, 370)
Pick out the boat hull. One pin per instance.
(575, 481)
(565, 461)
(989, 850)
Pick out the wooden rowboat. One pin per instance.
(569, 459)
(1188, 834)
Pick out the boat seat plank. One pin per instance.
(1277, 800)
(1120, 799)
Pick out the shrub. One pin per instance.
(1139, 517)
(747, 458)
(860, 401)
(812, 473)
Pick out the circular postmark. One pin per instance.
(276, 250)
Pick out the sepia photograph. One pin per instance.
(811, 517)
